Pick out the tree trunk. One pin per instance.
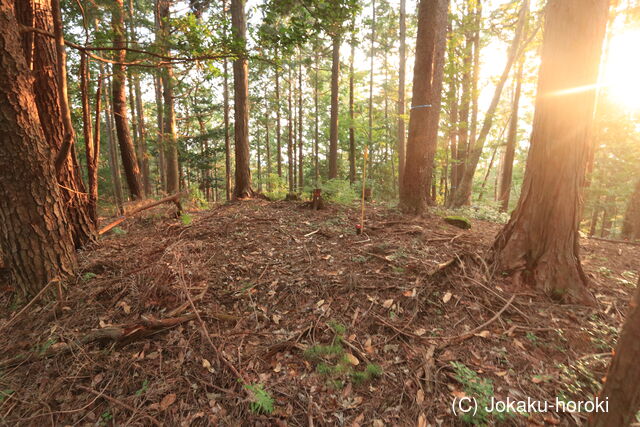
(539, 246)
(300, 128)
(475, 76)
(169, 138)
(157, 84)
(401, 90)
(41, 53)
(316, 122)
(425, 108)
(268, 153)
(241, 107)
(290, 149)
(507, 164)
(92, 147)
(631, 224)
(114, 166)
(278, 128)
(34, 237)
(127, 150)
(143, 155)
(333, 124)
(371, 70)
(462, 194)
(621, 389)
(352, 131)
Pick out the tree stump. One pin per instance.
(317, 202)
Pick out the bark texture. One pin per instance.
(425, 107)
(333, 123)
(621, 389)
(34, 238)
(631, 224)
(539, 246)
(242, 187)
(127, 150)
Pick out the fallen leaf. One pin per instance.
(207, 365)
(276, 319)
(422, 421)
(388, 303)
(419, 396)
(447, 297)
(483, 334)
(352, 359)
(420, 332)
(167, 401)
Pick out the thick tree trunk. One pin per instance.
(621, 389)
(462, 194)
(631, 224)
(35, 240)
(241, 104)
(127, 150)
(333, 123)
(401, 89)
(425, 107)
(539, 246)
(169, 138)
(46, 72)
(509, 154)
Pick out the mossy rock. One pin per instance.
(458, 221)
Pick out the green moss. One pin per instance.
(458, 221)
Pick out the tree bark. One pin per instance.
(539, 246)
(35, 240)
(157, 85)
(241, 107)
(127, 150)
(40, 52)
(143, 155)
(621, 389)
(509, 154)
(227, 138)
(278, 128)
(425, 108)
(352, 131)
(290, 149)
(333, 123)
(300, 129)
(462, 194)
(169, 137)
(91, 149)
(401, 89)
(114, 166)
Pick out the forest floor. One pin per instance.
(300, 321)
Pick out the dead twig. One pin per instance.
(34, 299)
(119, 403)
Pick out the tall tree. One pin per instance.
(169, 137)
(462, 194)
(42, 57)
(225, 95)
(510, 149)
(425, 106)
(34, 238)
(127, 150)
(336, 40)
(352, 130)
(242, 187)
(402, 52)
(539, 246)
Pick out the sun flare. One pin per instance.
(621, 73)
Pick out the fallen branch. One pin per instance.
(175, 199)
(626, 242)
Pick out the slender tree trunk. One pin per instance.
(507, 166)
(608, 213)
(333, 124)
(352, 131)
(290, 149)
(34, 237)
(259, 160)
(160, 125)
(463, 191)
(621, 391)
(241, 104)
(268, 154)
(475, 78)
(401, 90)
(169, 138)
(539, 246)
(300, 129)
(127, 151)
(372, 55)
(114, 166)
(143, 155)
(425, 109)
(92, 145)
(316, 122)
(225, 95)
(631, 224)
(486, 175)
(278, 123)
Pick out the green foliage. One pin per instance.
(143, 388)
(186, 219)
(118, 231)
(278, 184)
(479, 388)
(338, 191)
(88, 276)
(262, 402)
(5, 394)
